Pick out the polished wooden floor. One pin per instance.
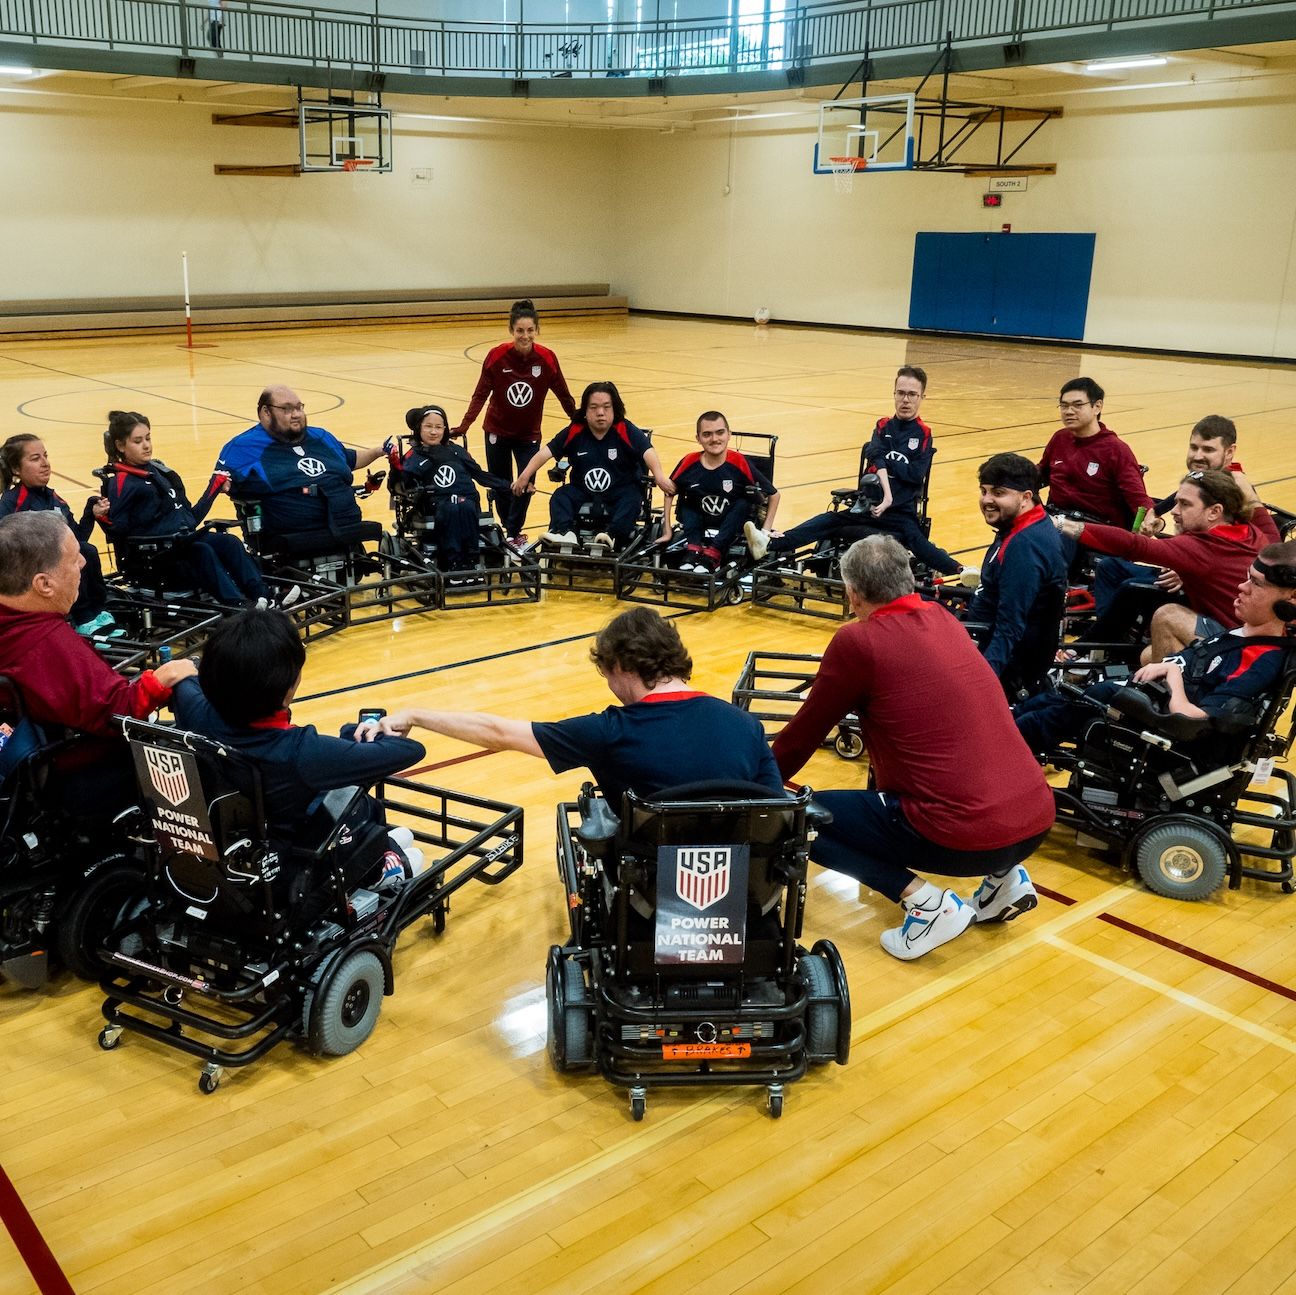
(1099, 1097)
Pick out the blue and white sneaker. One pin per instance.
(925, 929)
(1000, 899)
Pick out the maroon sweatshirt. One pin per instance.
(938, 729)
(1097, 475)
(1212, 563)
(517, 386)
(63, 680)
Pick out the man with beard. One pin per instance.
(1023, 576)
(299, 476)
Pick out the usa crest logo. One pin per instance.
(167, 774)
(1091, 469)
(727, 486)
(702, 875)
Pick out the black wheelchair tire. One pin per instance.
(344, 1015)
(569, 1035)
(1181, 860)
(91, 914)
(821, 1018)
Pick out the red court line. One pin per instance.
(31, 1245)
(445, 764)
(1283, 991)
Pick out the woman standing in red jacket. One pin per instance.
(516, 376)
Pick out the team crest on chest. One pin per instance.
(611, 453)
(727, 486)
(1091, 469)
(535, 370)
(913, 442)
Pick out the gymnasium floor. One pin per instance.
(1096, 1098)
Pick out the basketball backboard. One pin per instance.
(870, 134)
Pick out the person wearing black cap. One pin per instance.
(1023, 576)
(1230, 674)
(446, 473)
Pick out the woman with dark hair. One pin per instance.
(250, 670)
(25, 480)
(663, 734)
(445, 472)
(516, 376)
(146, 498)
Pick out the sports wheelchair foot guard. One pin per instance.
(684, 964)
(772, 687)
(233, 948)
(653, 575)
(1168, 793)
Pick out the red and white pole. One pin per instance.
(184, 266)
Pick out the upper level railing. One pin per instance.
(796, 36)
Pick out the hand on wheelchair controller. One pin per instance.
(397, 724)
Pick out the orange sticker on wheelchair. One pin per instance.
(687, 1051)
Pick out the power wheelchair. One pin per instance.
(808, 581)
(589, 566)
(684, 964)
(772, 687)
(653, 575)
(412, 561)
(232, 946)
(1167, 792)
(65, 866)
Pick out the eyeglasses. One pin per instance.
(298, 408)
(1195, 475)
(908, 395)
(1064, 405)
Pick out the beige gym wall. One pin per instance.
(1193, 202)
(103, 195)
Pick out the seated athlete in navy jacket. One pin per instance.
(250, 670)
(1232, 674)
(608, 454)
(713, 495)
(146, 499)
(299, 476)
(444, 472)
(900, 452)
(663, 734)
(1023, 576)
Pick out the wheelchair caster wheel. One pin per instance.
(735, 595)
(638, 1103)
(1288, 888)
(439, 917)
(849, 745)
(173, 995)
(774, 1101)
(110, 1037)
(209, 1080)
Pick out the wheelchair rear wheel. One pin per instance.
(1181, 860)
(569, 1014)
(821, 1017)
(344, 1015)
(92, 913)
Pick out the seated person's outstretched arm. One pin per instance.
(538, 460)
(492, 732)
(653, 464)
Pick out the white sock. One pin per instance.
(926, 896)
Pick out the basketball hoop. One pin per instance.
(843, 171)
(355, 163)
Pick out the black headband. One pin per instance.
(1281, 574)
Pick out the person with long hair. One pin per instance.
(25, 473)
(516, 376)
(146, 498)
(445, 473)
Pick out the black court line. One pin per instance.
(477, 660)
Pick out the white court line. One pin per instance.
(1178, 995)
(648, 1137)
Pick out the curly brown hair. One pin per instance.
(643, 643)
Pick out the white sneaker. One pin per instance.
(688, 566)
(1000, 899)
(262, 604)
(294, 592)
(560, 537)
(604, 539)
(925, 929)
(758, 541)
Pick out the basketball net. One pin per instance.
(355, 163)
(843, 172)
